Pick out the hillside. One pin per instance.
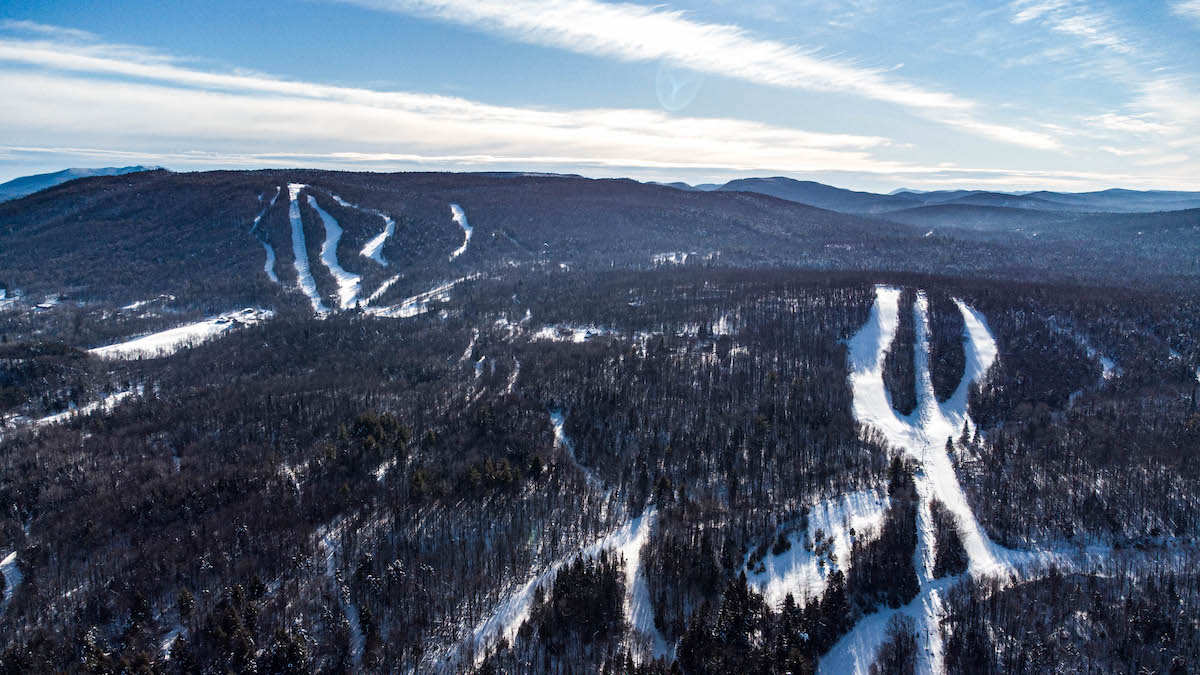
(27, 185)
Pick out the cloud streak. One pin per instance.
(634, 33)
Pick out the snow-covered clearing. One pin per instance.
(675, 258)
(304, 276)
(627, 541)
(12, 578)
(460, 217)
(104, 404)
(168, 641)
(349, 285)
(374, 248)
(570, 333)
(170, 341)
(804, 569)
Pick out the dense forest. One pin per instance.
(555, 443)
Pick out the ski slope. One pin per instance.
(921, 435)
(803, 573)
(168, 342)
(104, 404)
(374, 248)
(304, 276)
(627, 541)
(269, 265)
(460, 217)
(349, 285)
(558, 420)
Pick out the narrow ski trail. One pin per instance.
(304, 276)
(269, 265)
(349, 285)
(372, 249)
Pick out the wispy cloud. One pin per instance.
(1189, 9)
(1074, 18)
(630, 32)
(81, 91)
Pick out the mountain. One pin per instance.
(27, 185)
(821, 195)
(850, 201)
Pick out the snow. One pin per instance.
(329, 539)
(12, 578)
(676, 258)
(922, 435)
(558, 420)
(627, 540)
(570, 333)
(105, 404)
(460, 217)
(419, 304)
(349, 285)
(170, 341)
(168, 641)
(300, 251)
(374, 248)
(799, 570)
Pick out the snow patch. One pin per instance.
(170, 341)
(558, 420)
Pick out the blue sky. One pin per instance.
(868, 94)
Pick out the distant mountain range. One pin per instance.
(865, 203)
(27, 185)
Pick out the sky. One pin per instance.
(867, 94)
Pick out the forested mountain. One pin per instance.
(309, 421)
(27, 185)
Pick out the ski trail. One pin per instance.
(922, 436)
(558, 419)
(374, 248)
(269, 265)
(331, 545)
(460, 217)
(383, 288)
(349, 285)
(627, 540)
(804, 572)
(300, 251)
(12, 579)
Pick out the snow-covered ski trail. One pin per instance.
(558, 419)
(921, 435)
(627, 541)
(460, 217)
(12, 579)
(300, 251)
(329, 538)
(269, 265)
(349, 285)
(374, 248)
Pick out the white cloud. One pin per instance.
(1135, 124)
(1074, 18)
(1187, 8)
(630, 32)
